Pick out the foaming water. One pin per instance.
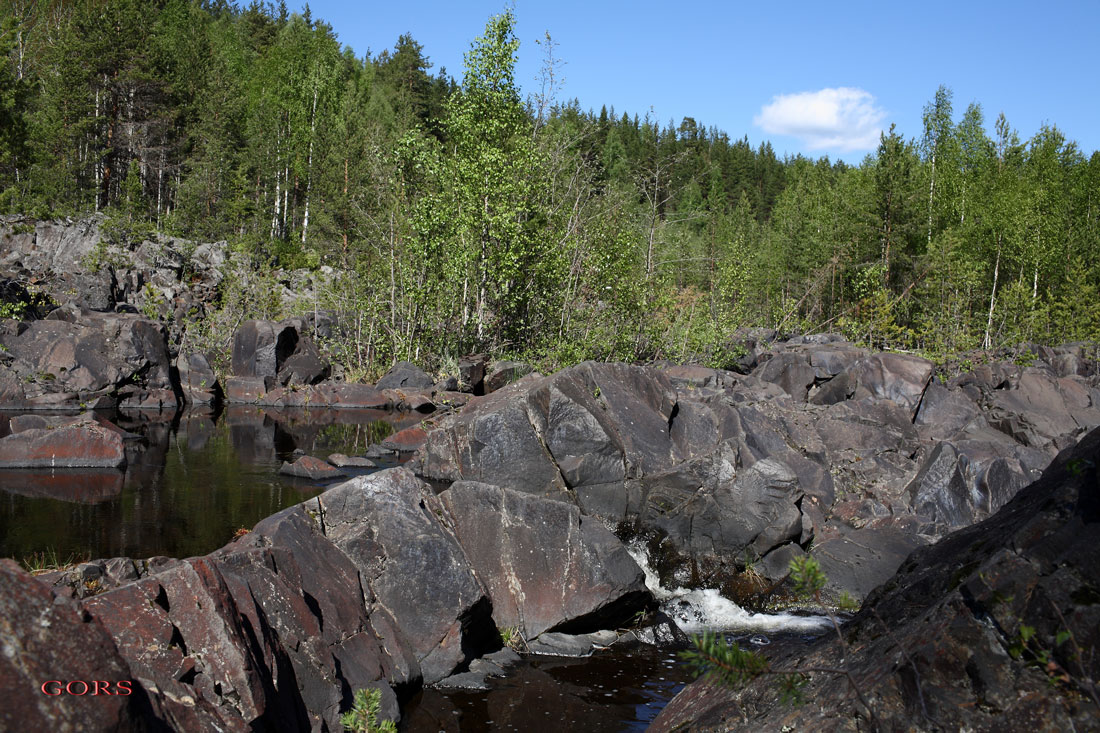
(706, 609)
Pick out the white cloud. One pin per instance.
(843, 118)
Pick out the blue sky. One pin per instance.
(818, 78)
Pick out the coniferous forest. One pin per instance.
(451, 215)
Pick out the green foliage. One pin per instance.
(128, 221)
(459, 220)
(49, 561)
(807, 576)
(512, 638)
(722, 661)
(363, 716)
(14, 310)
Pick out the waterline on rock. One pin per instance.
(706, 609)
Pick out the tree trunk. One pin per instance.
(309, 165)
(931, 189)
(992, 297)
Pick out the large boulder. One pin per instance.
(260, 348)
(790, 370)
(713, 509)
(391, 526)
(198, 381)
(182, 630)
(502, 373)
(963, 482)
(544, 565)
(82, 444)
(1043, 411)
(406, 375)
(900, 378)
(585, 429)
(325, 618)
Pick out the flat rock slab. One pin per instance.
(311, 468)
(862, 559)
(571, 645)
(342, 461)
(266, 392)
(86, 444)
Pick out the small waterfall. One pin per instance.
(707, 610)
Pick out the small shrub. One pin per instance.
(363, 716)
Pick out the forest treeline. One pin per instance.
(457, 216)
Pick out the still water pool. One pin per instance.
(190, 483)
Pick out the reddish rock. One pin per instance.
(81, 487)
(311, 468)
(86, 444)
(46, 638)
(454, 399)
(407, 440)
(245, 389)
(419, 402)
(348, 395)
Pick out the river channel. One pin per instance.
(196, 479)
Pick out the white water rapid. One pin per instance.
(707, 610)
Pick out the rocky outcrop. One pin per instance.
(278, 353)
(863, 456)
(98, 360)
(390, 525)
(989, 629)
(198, 382)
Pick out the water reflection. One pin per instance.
(616, 690)
(189, 484)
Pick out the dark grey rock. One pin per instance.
(543, 565)
(405, 375)
(391, 526)
(503, 373)
(197, 379)
(260, 348)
